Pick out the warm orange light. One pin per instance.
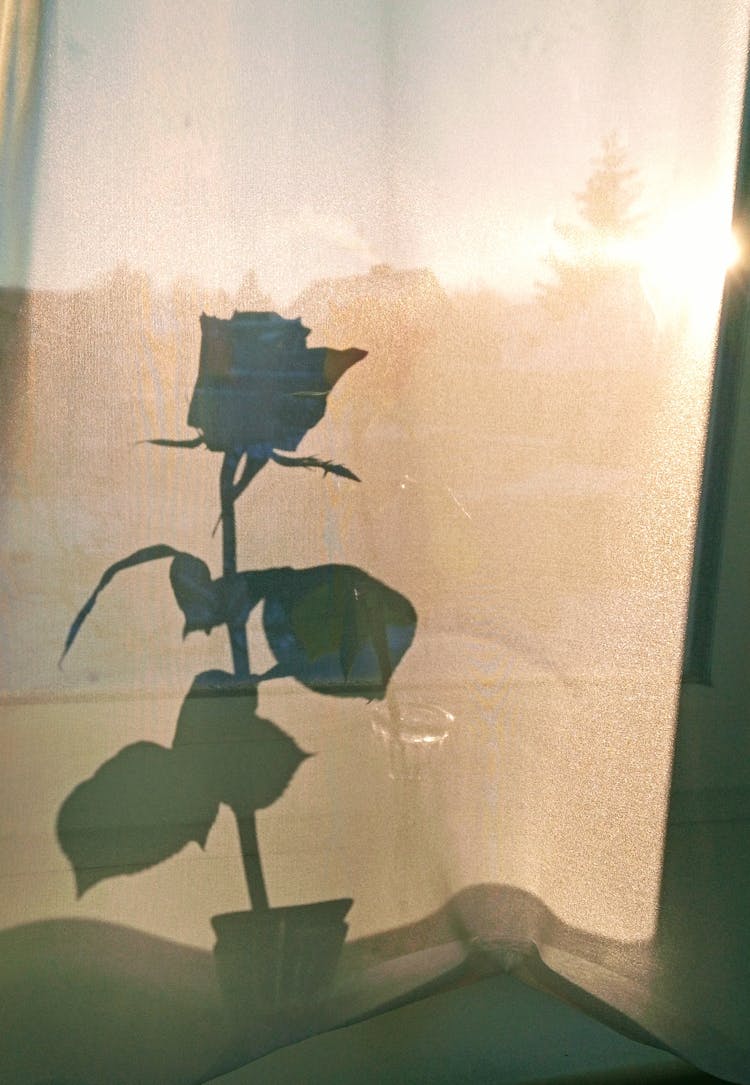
(684, 262)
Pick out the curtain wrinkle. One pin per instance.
(23, 25)
(24, 34)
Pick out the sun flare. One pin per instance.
(684, 261)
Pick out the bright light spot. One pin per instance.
(733, 253)
(684, 262)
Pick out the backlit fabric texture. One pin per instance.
(357, 362)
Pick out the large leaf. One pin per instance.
(138, 809)
(239, 758)
(148, 802)
(336, 629)
(332, 627)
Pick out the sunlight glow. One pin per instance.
(684, 262)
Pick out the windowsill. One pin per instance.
(496, 1030)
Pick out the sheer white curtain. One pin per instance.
(523, 214)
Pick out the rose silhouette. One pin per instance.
(333, 628)
(260, 387)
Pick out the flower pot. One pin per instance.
(279, 962)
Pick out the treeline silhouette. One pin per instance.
(500, 435)
(440, 358)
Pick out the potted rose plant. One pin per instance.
(333, 627)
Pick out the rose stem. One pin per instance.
(237, 630)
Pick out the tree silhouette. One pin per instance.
(611, 192)
(592, 254)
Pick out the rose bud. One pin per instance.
(260, 387)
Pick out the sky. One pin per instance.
(313, 138)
